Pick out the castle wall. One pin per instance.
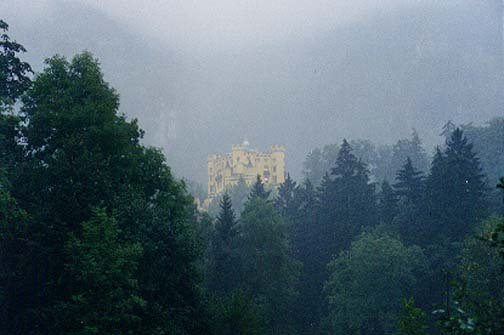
(224, 171)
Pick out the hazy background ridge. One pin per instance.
(351, 70)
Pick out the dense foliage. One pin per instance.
(98, 237)
(368, 281)
(93, 217)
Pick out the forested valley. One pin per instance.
(97, 235)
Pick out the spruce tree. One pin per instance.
(346, 204)
(387, 205)
(352, 203)
(269, 271)
(258, 190)
(455, 190)
(285, 203)
(313, 166)
(239, 195)
(223, 272)
(412, 148)
(226, 219)
(418, 154)
(347, 164)
(409, 183)
(409, 188)
(448, 129)
(306, 249)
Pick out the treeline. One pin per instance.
(367, 249)
(383, 161)
(98, 237)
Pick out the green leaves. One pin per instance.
(368, 282)
(252, 271)
(236, 314)
(411, 320)
(269, 272)
(14, 73)
(111, 232)
(106, 297)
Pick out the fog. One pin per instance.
(201, 76)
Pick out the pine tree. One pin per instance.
(224, 267)
(258, 190)
(490, 152)
(347, 165)
(270, 273)
(409, 183)
(313, 166)
(306, 249)
(448, 129)
(412, 148)
(285, 203)
(302, 232)
(409, 188)
(346, 204)
(352, 202)
(239, 195)
(455, 190)
(387, 206)
(226, 219)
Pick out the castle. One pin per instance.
(225, 170)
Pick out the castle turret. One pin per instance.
(224, 171)
(237, 157)
(278, 163)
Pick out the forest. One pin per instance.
(98, 236)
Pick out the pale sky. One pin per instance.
(236, 23)
(222, 24)
(303, 73)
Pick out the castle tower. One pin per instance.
(237, 158)
(224, 171)
(278, 163)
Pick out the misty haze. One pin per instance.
(251, 167)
